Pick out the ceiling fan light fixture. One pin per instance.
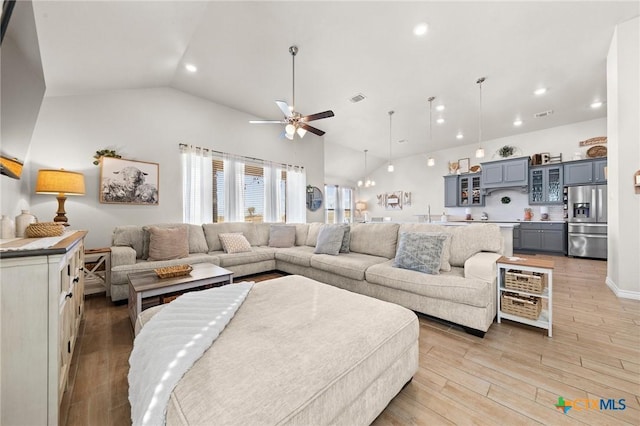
(290, 129)
(301, 132)
(288, 136)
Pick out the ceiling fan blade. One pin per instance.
(267, 122)
(317, 116)
(311, 129)
(284, 108)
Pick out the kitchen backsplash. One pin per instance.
(496, 210)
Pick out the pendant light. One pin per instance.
(390, 166)
(480, 150)
(430, 161)
(366, 182)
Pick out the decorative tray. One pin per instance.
(173, 271)
(597, 151)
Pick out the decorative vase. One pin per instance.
(8, 227)
(22, 221)
(528, 214)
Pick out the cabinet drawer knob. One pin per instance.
(68, 295)
(76, 279)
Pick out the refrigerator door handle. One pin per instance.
(599, 216)
(596, 210)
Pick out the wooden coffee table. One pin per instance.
(143, 285)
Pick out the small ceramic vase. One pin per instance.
(22, 221)
(8, 227)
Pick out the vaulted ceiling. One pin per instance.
(241, 53)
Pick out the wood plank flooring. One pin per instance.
(512, 376)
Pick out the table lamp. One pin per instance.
(61, 182)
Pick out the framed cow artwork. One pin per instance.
(129, 182)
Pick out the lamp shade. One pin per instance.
(11, 167)
(60, 182)
(361, 205)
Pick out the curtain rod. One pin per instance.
(184, 145)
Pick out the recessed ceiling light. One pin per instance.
(440, 108)
(596, 105)
(517, 122)
(420, 29)
(440, 120)
(540, 91)
(191, 68)
(459, 135)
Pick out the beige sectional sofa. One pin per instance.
(463, 293)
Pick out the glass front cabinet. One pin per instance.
(469, 193)
(545, 184)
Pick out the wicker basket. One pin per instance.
(522, 306)
(531, 282)
(173, 271)
(44, 229)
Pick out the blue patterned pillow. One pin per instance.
(420, 251)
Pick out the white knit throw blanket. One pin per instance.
(172, 341)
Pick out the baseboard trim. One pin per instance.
(625, 294)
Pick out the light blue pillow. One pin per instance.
(346, 239)
(420, 251)
(329, 240)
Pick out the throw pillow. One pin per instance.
(282, 236)
(234, 243)
(168, 243)
(420, 252)
(329, 240)
(346, 240)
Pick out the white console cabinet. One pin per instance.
(41, 305)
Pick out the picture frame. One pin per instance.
(463, 165)
(129, 182)
(393, 200)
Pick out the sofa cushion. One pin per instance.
(376, 239)
(429, 227)
(329, 240)
(212, 230)
(312, 235)
(446, 286)
(263, 231)
(299, 255)
(351, 265)
(129, 236)
(420, 251)
(168, 243)
(282, 236)
(469, 240)
(234, 242)
(302, 230)
(254, 255)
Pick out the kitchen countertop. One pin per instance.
(511, 221)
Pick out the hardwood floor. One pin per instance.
(512, 376)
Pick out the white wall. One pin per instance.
(427, 185)
(148, 125)
(623, 93)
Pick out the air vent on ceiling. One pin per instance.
(401, 141)
(543, 113)
(357, 98)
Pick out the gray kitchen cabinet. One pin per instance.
(516, 238)
(469, 194)
(542, 237)
(545, 184)
(599, 171)
(585, 172)
(508, 173)
(451, 191)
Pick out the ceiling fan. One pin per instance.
(295, 122)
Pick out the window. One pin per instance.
(338, 204)
(240, 189)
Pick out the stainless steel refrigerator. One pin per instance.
(587, 216)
